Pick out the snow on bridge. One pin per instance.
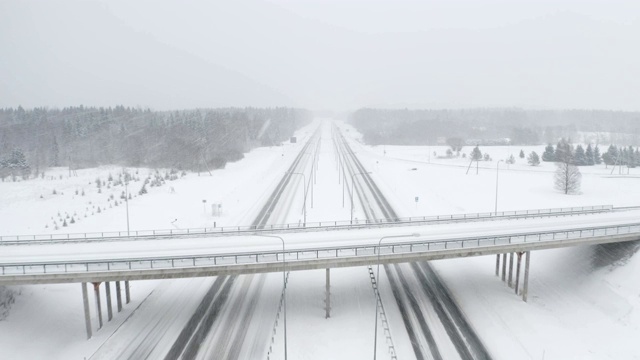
(160, 258)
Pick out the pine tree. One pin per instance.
(533, 159)
(549, 153)
(596, 155)
(55, 153)
(579, 157)
(630, 158)
(611, 156)
(622, 156)
(521, 154)
(3, 169)
(511, 160)
(589, 156)
(476, 155)
(564, 151)
(17, 164)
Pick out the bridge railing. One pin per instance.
(275, 257)
(323, 225)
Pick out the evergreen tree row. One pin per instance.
(564, 152)
(87, 136)
(623, 156)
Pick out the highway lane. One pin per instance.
(223, 327)
(217, 326)
(436, 326)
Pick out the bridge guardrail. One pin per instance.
(324, 225)
(267, 257)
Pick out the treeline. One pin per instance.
(77, 137)
(492, 126)
(579, 156)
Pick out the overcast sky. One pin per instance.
(341, 54)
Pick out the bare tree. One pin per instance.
(567, 178)
(456, 144)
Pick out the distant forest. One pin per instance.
(494, 126)
(78, 137)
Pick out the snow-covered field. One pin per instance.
(583, 304)
(578, 307)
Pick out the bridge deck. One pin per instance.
(154, 259)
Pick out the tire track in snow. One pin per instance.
(406, 316)
(204, 310)
(239, 332)
(466, 333)
(466, 342)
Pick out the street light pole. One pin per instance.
(377, 292)
(284, 288)
(304, 197)
(497, 172)
(339, 168)
(353, 188)
(344, 185)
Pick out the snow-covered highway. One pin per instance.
(306, 248)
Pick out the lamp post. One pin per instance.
(304, 197)
(312, 176)
(339, 167)
(344, 185)
(375, 334)
(353, 188)
(284, 288)
(497, 172)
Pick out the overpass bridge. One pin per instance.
(125, 260)
(316, 248)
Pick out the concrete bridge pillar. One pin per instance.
(127, 295)
(87, 315)
(497, 264)
(518, 271)
(504, 266)
(96, 290)
(525, 290)
(327, 300)
(509, 282)
(107, 287)
(118, 296)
